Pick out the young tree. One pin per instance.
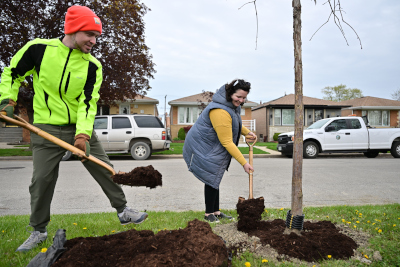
(127, 63)
(340, 93)
(396, 95)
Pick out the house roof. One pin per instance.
(141, 99)
(288, 100)
(195, 99)
(369, 102)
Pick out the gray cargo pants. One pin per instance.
(46, 161)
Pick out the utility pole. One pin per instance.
(165, 111)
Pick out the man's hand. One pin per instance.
(247, 168)
(7, 106)
(82, 142)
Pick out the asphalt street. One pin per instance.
(326, 181)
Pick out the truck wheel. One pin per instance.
(310, 150)
(140, 151)
(371, 154)
(67, 156)
(395, 151)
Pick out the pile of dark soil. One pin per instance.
(195, 245)
(317, 240)
(140, 176)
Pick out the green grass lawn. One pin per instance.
(382, 222)
(9, 152)
(269, 145)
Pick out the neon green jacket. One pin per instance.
(66, 83)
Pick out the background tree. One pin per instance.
(340, 93)
(127, 63)
(396, 95)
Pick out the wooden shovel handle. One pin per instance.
(23, 123)
(251, 164)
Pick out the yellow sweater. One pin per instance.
(222, 124)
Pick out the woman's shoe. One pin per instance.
(223, 216)
(211, 218)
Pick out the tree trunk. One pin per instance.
(297, 192)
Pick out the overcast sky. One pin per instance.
(202, 44)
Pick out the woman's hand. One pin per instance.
(251, 136)
(247, 168)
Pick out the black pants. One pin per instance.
(211, 196)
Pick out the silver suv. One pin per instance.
(139, 135)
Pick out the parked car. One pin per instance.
(139, 135)
(343, 135)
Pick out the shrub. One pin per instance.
(176, 139)
(181, 134)
(276, 136)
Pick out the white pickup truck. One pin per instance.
(343, 135)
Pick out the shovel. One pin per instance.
(251, 172)
(23, 123)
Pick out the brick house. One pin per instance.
(381, 112)
(277, 116)
(185, 111)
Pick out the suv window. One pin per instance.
(121, 123)
(338, 124)
(100, 123)
(148, 122)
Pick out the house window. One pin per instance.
(377, 117)
(287, 116)
(277, 117)
(242, 112)
(124, 109)
(188, 115)
(135, 106)
(318, 115)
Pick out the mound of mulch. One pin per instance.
(140, 176)
(317, 240)
(195, 245)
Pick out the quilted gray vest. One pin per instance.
(203, 153)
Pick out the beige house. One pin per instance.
(277, 116)
(381, 112)
(138, 105)
(185, 111)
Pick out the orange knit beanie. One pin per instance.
(81, 18)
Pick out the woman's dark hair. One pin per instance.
(235, 85)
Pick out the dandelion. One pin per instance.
(384, 214)
(368, 221)
(3, 231)
(366, 256)
(327, 216)
(84, 228)
(329, 256)
(75, 224)
(44, 250)
(281, 209)
(357, 221)
(356, 211)
(376, 228)
(394, 225)
(355, 226)
(247, 264)
(380, 231)
(373, 223)
(349, 222)
(113, 231)
(343, 220)
(165, 228)
(264, 261)
(360, 214)
(266, 211)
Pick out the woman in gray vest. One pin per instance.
(212, 142)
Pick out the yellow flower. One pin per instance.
(380, 231)
(357, 221)
(329, 256)
(264, 261)
(356, 211)
(3, 231)
(384, 214)
(44, 250)
(343, 220)
(165, 228)
(373, 223)
(281, 209)
(266, 211)
(327, 216)
(75, 224)
(349, 222)
(113, 231)
(355, 226)
(368, 221)
(360, 214)
(247, 264)
(376, 228)
(394, 225)
(84, 228)
(366, 256)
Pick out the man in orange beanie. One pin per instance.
(66, 81)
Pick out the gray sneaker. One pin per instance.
(35, 238)
(130, 215)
